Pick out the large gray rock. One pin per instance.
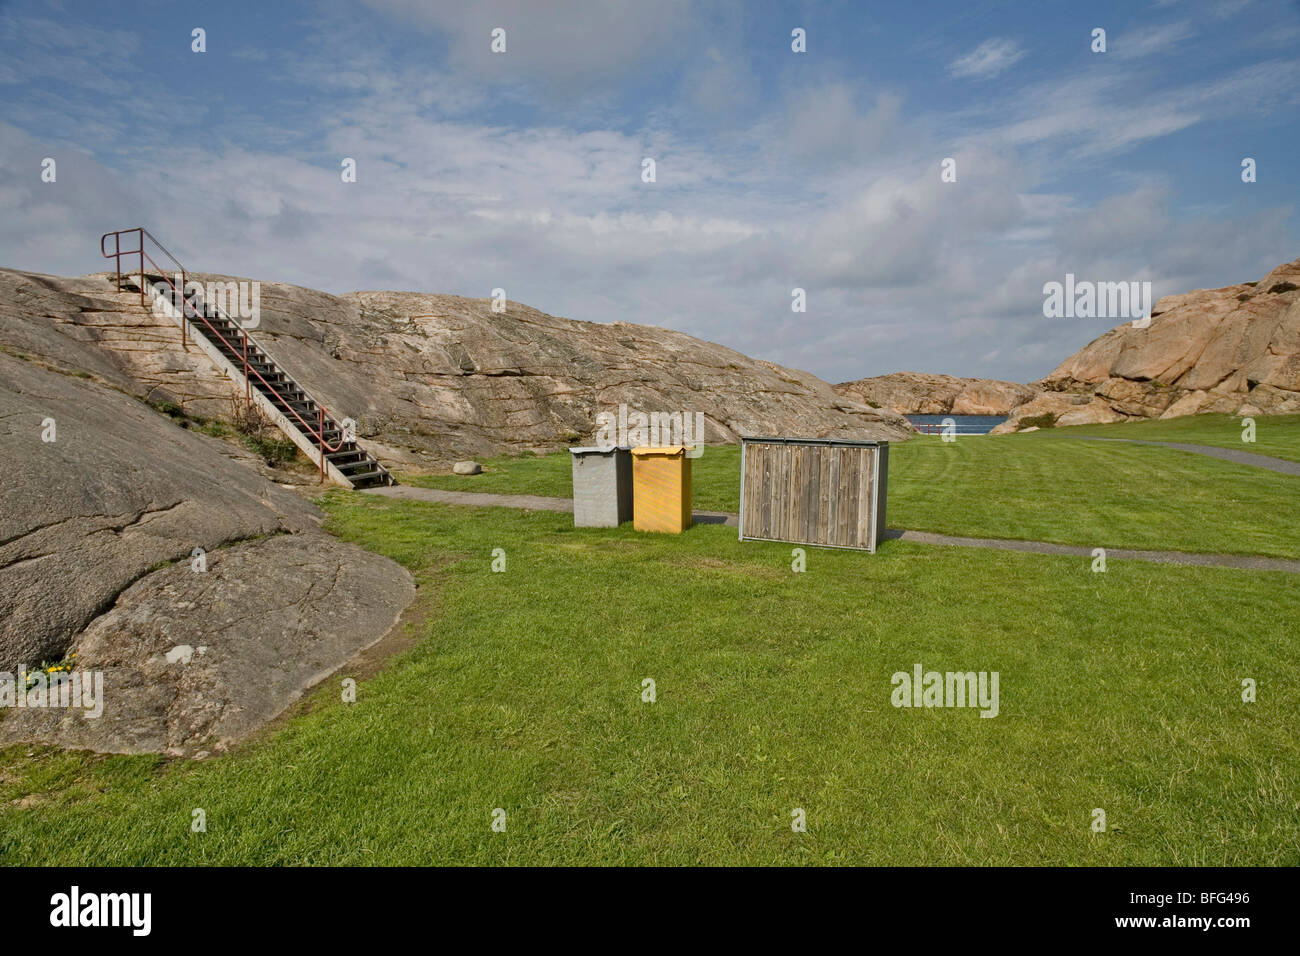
(98, 534)
(435, 378)
(119, 491)
(192, 661)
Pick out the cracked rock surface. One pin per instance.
(192, 661)
(98, 531)
(119, 491)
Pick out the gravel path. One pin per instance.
(535, 503)
(1227, 454)
(1240, 561)
(479, 499)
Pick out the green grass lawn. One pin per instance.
(1046, 487)
(1119, 691)
(1275, 435)
(1041, 486)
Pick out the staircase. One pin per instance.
(306, 422)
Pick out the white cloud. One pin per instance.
(1091, 114)
(987, 60)
(827, 125)
(834, 186)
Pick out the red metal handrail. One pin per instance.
(118, 252)
(319, 432)
(185, 308)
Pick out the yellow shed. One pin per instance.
(661, 489)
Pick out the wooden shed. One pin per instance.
(815, 491)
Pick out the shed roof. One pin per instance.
(864, 442)
(642, 450)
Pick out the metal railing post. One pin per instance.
(248, 384)
(142, 295)
(320, 436)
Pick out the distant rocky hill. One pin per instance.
(431, 378)
(923, 394)
(1234, 350)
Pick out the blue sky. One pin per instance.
(775, 170)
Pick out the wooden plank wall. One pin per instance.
(809, 494)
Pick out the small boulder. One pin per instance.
(467, 468)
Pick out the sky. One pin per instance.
(774, 170)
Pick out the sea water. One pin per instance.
(966, 424)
